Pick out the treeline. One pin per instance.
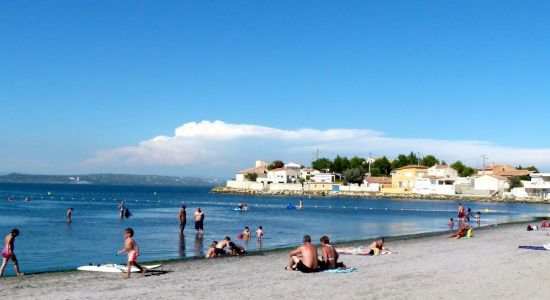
(358, 166)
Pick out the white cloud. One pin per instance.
(224, 147)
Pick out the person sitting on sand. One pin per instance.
(210, 252)
(7, 252)
(236, 249)
(462, 231)
(544, 223)
(375, 248)
(304, 258)
(246, 233)
(329, 256)
(219, 250)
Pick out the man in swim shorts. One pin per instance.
(304, 258)
(183, 219)
(7, 253)
(132, 248)
(199, 220)
(219, 249)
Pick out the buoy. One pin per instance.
(486, 210)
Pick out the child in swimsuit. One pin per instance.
(132, 248)
(7, 253)
(260, 233)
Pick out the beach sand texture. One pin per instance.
(487, 266)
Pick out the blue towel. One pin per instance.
(532, 247)
(348, 270)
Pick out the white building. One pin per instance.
(491, 183)
(281, 175)
(375, 184)
(538, 187)
(444, 172)
(307, 173)
(291, 165)
(324, 177)
(259, 169)
(433, 185)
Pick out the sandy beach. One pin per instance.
(489, 265)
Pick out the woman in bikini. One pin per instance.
(7, 253)
(329, 256)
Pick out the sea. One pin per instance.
(48, 243)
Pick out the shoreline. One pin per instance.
(423, 267)
(378, 195)
(346, 243)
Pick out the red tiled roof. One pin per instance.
(253, 170)
(380, 180)
(441, 167)
(413, 167)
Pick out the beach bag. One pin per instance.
(469, 233)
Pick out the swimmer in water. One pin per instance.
(259, 233)
(69, 214)
(7, 253)
(183, 219)
(122, 209)
(246, 233)
(10, 199)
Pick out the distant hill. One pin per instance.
(109, 179)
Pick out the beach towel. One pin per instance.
(532, 247)
(341, 271)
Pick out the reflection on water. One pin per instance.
(96, 229)
(181, 246)
(198, 245)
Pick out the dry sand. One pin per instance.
(488, 266)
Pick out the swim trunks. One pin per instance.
(132, 256)
(6, 253)
(219, 251)
(199, 225)
(305, 269)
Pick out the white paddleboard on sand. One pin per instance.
(113, 268)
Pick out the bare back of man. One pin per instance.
(304, 258)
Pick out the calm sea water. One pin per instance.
(48, 243)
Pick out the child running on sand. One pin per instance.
(7, 253)
(132, 248)
(260, 232)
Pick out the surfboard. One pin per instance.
(114, 268)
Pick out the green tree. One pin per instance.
(401, 161)
(381, 166)
(276, 164)
(429, 161)
(515, 182)
(251, 176)
(462, 169)
(359, 162)
(354, 175)
(322, 164)
(340, 164)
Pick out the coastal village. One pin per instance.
(436, 181)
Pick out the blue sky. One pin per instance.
(86, 77)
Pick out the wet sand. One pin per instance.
(487, 266)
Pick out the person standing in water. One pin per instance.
(122, 209)
(69, 214)
(7, 253)
(460, 214)
(183, 219)
(199, 220)
(132, 248)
